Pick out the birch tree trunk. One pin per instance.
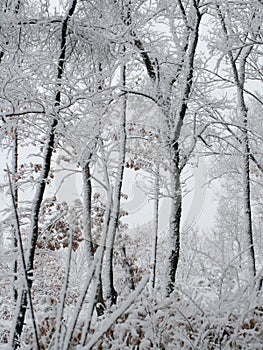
(40, 190)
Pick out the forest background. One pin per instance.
(117, 118)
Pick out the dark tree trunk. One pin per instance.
(239, 74)
(175, 219)
(176, 210)
(111, 293)
(15, 192)
(247, 200)
(100, 305)
(42, 184)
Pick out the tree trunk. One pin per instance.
(15, 192)
(87, 199)
(155, 225)
(239, 73)
(128, 268)
(20, 318)
(248, 227)
(87, 196)
(185, 70)
(111, 293)
(175, 219)
(176, 125)
(247, 207)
